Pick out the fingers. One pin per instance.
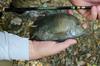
(63, 45)
(98, 10)
(70, 12)
(90, 15)
(93, 13)
(85, 13)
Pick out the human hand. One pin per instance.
(92, 14)
(39, 49)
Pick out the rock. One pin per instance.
(16, 21)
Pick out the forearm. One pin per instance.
(13, 47)
(18, 48)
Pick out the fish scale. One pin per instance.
(57, 27)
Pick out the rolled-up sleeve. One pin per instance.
(13, 47)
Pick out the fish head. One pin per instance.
(76, 31)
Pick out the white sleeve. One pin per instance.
(13, 47)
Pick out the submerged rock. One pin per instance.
(57, 27)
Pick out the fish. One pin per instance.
(57, 27)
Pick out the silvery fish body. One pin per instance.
(57, 27)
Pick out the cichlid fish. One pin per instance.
(57, 27)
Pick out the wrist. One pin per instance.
(33, 52)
